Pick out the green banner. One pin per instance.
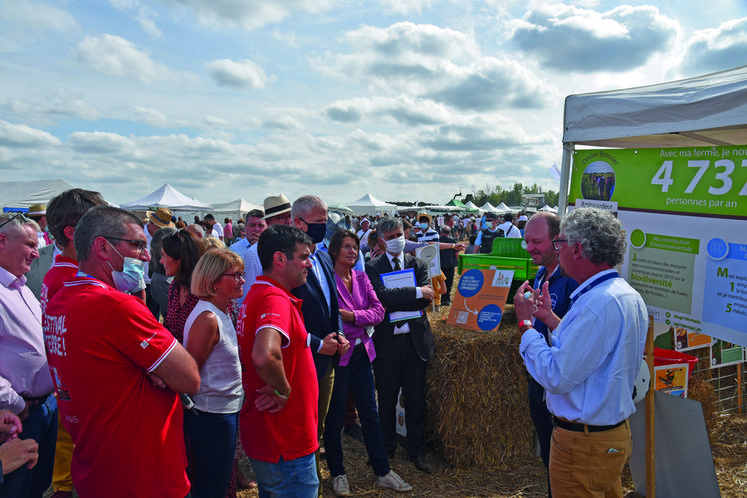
(710, 180)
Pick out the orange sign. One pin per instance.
(480, 298)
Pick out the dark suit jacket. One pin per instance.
(316, 315)
(401, 299)
(39, 267)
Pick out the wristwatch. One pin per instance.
(524, 325)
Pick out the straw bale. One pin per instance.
(477, 395)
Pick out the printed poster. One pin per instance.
(672, 379)
(480, 299)
(683, 211)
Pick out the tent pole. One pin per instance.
(565, 177)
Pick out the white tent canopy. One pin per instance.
(369, 204)
(695, 112)
(235, 209)
(23, 194)
(470, 205)
(488, 207)
(167, 196)
(503, 208)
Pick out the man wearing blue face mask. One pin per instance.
(320, 308)
(426, 234)
(118, 367)
(403, 348)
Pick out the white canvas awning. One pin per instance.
(22, 194)
(705, 110)
(241, 206)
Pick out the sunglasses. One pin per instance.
(141, 245)
(15, 215)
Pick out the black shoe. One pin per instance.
(420, 463)
(354, 430)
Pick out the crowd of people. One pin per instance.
(156, 354)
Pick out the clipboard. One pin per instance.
(395, 280)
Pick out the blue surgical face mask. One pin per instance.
(131, 276)
(424, 226)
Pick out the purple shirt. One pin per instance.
(367, 309)
(23, 362)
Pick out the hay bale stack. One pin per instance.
(477, 395)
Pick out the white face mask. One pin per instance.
(395, 246)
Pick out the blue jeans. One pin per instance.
(292, 478)
(213, 438)
(356, 376)
(41, 426)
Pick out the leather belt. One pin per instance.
(35, 401)
(576, 427)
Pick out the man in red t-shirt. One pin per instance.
(117, 369)
(279, 419)
(63, 214)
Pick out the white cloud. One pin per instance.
(250, 14)
(406, 6)
(401, 110)
(99, 142)
(157, 119)
(717, 49)
(115, 56)
(144, 15)
(285, 123)
(36, 16)
(287, 37)
(437, 63)
(59, 104)
(215, 122)
(565, 37)
(241, 74)
(14, 135)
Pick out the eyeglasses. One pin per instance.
(15, 215)
(237, 276)
(141, 245)
(556, 244)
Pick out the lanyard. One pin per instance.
(596, 282)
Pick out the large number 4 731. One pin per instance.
(663, 176)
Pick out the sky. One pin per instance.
(409, 100)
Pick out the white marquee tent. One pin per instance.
(166, 196)
(369, 204)
(22, 194)
(234, 209)
(694, 112)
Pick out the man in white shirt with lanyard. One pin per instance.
(589, 370)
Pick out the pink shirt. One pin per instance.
(23, 362)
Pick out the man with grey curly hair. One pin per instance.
(589, 370)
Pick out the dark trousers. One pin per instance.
(401, 367)
(357, 377)
(41, 426)
(449, 274)
(542, 419)
(213, 438)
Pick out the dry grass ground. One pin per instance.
(527, 480)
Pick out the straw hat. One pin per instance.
(276, 204)
(161, 217)
(426, 215)
(37, 210)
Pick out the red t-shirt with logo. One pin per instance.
(291, 432)
(128, 434)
